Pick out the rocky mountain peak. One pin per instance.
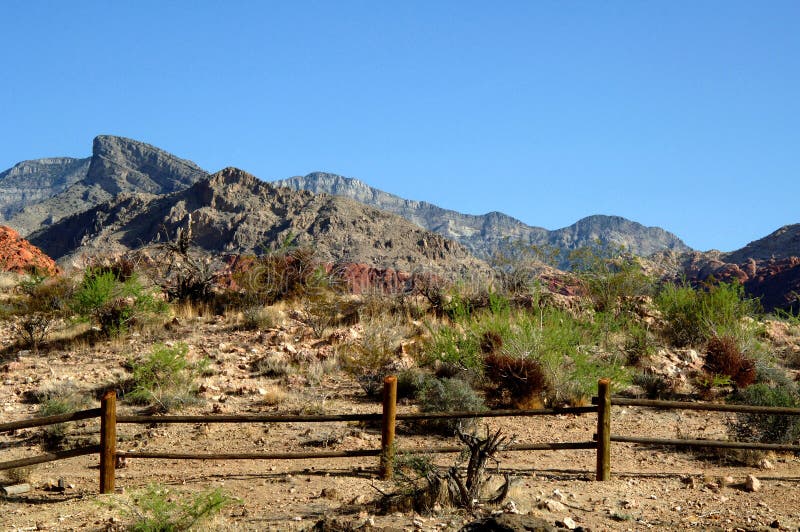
(120, 164)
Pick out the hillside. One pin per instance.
(234, 212)
(63, 187)
(486, 234)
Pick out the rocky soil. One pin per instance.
(651, 488)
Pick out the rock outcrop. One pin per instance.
(30, 182)
(19, 256)
(233, 212)
(484, 235)
(117, 165)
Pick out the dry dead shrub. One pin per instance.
(423, 485)
(513, 381)
(725, 358)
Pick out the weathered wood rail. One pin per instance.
(601, 440)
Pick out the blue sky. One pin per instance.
(681, 114)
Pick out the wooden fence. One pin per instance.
(601, 440)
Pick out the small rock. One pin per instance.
(552, 506)
(752, 484)
(569, 523)
(765, 464)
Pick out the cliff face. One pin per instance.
(117, 165)
(33, 181)
(485, 235)
(234, 212)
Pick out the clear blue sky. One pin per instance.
(681, 114)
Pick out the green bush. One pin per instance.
(158, 509)
(448, 395)
(112, 303)
(41, 305)
(768, 428)
(63, 398)
(695, 316)
(165, 379)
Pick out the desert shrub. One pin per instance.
(62, 398)
(19, 475)
(725, 358)
(279, 274)
(320, 302)
(256, 317)
(448, 395)
(655, 386)
(612, 277)
(694, 316)
(559, 343)
(768, 428)
(273, 365)
(112, 303)
(158, 509)
(639, 343)
(41, 304)
(165, 378)
(519, 382)
(450, 345)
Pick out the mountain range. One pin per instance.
(129, 194)
(487, 234)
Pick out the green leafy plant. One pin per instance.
(165, 378)
(114, 303)
(695, 316)
(159, 509)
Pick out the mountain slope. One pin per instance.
(780, 244)
(487, 234)
(234, 212)
(117, 165)
(33, 181)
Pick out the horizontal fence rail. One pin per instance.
(557, 446)
(714, 407)
(601, 441)
(49, 457)
(716, 444)
(49, 420)
(417, 416)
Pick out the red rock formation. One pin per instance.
(775, 281)
(20, 256)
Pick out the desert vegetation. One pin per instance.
(518, 340)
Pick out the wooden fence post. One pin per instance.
(387, 427)
(604, 429)
(108, 441)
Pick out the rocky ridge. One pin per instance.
(233, 212)
(484, 235)
(117, 165)
(33, 181)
